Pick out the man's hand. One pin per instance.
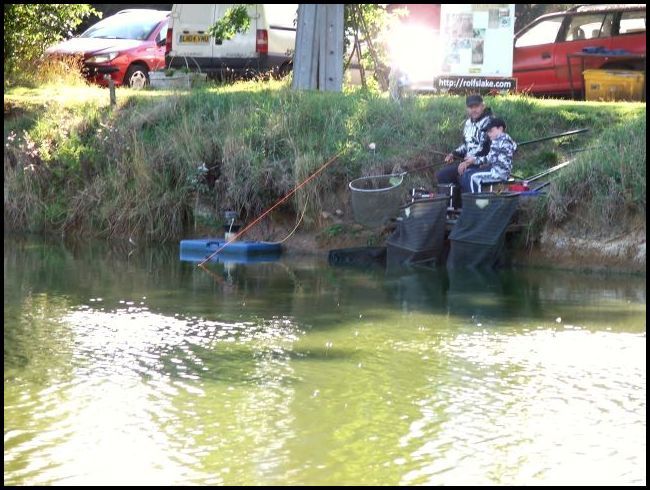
(449, 158)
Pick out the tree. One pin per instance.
(364, 25)
(29, 29)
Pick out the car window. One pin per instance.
(122, 26)
(163, 32)
(607, 28)
(543, 33)
(632, 22)
(584, 27)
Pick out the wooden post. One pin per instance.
(331, 59)
(318, 60)
(111, 88)
(304, 62)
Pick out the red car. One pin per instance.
(131, 43)
(540, 56)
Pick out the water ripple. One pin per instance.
(551, 407)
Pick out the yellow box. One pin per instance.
(614, 85)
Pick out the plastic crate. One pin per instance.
(614, 85)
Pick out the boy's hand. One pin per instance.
(449, 158)
(466, 163)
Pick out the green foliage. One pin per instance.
(234, 21)
(30, 28)
(140, 169)
(606, 186)
(334, 230)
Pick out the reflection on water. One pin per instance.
(126, 366)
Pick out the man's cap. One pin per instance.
(495, 122)
(473, 100)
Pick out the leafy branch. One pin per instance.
(234, 21)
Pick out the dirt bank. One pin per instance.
(558, 248)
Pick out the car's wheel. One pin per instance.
(137, 77)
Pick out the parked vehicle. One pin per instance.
(269, 44)
(540, 54)
(540, 48)
(132, 41)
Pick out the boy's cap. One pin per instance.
(473, 100)
(496, 122)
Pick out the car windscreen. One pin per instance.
(123, 27)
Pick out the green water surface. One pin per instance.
(124, 365)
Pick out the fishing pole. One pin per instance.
(568, 133)
(280, 201)
(433, 165)
(425, 167)
(550, 170)
(577, 150)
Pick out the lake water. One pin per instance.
(124, 365)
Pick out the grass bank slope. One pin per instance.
(74, 165)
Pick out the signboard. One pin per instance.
(477, 40)
(477, 84)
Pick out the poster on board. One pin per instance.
(477, 41)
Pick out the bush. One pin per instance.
(30, 29)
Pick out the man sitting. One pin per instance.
(475, 140)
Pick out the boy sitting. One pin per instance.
(494, 166)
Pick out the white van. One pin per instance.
(269, 44)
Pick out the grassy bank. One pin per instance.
(74, 165)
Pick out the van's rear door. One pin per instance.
(241, 45)
(281, 22)
(191, 39)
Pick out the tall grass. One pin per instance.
(48, 71)
(139, 169)
(605, 188)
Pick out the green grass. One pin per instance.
(74, 164)
(605, 188)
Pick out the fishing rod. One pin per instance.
(567, 133)
(288, 195)
(545, 138)
(435, 152)
(433, 165)
(577, 150)
(523, 143)
(550, 170)
(277, 203)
